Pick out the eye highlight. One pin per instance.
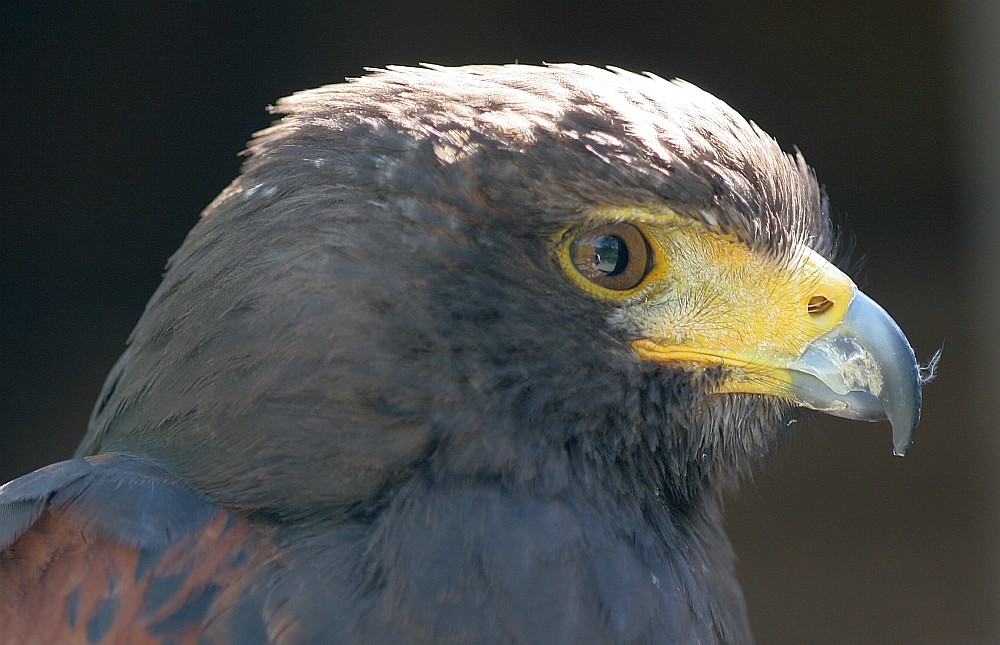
(614, 256)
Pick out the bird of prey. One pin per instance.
(463, 355)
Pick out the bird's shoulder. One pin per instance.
(115, 549)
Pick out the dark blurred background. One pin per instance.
(120, 124)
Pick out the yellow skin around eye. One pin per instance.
(710, 300)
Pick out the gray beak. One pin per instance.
(863, 369)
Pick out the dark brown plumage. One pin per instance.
(373, 400)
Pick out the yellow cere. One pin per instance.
(710, 300)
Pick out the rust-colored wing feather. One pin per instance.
(111, 549)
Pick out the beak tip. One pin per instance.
(905, 401)
(904, 430)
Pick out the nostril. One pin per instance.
(818, 305)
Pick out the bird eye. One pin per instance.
(615, 256)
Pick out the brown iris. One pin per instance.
(614, 256)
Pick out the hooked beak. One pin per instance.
(863, 369)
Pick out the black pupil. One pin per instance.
(610, 255)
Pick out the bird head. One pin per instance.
(524, 273)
